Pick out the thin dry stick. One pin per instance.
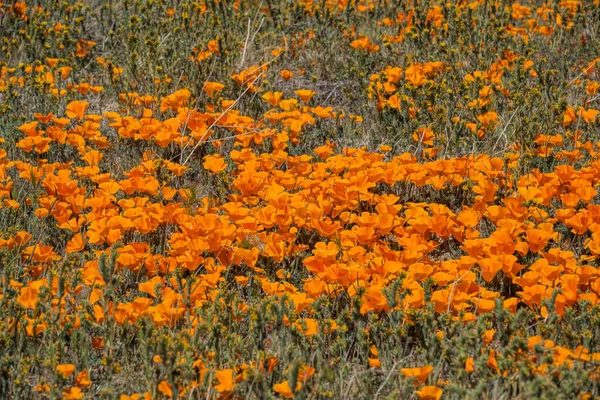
(387, 378)
(248, 34)
(209, 386)
(592, 99)
(419, 147)
(208, 130)
(503, 133)
(451, 295)
(226, 111)
(252, 132)
(187, 120)
(201, 140)
(257, 30)
(583, 72)
(245, 44)
(333, 91)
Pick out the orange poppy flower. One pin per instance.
(149, 286)
(429, 393)
(214, 163)
(28, 297)
(165, 388)
(589, 115)
(73, 393)
(76, 109)
(283, 389)
(308, 326)
(213, 88)
(226, 381)
(273, 98)
(537, 239)
(75, 244)
(286, 75)
(305, 94)
(65, 370)
(420, 373)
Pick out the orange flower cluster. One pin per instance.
(510, 234)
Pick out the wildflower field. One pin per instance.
(309, 199)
